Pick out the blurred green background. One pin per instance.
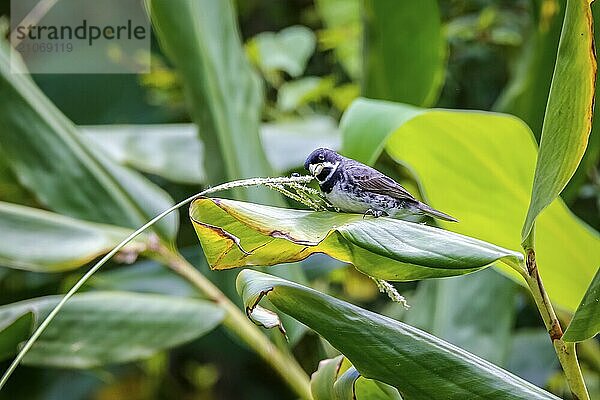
(310, 56)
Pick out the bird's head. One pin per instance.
(322, 162)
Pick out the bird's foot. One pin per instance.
(375, 213)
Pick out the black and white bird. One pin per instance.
(354, 187)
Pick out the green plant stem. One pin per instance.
(565, 350)
(237, 323)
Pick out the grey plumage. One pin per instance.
(355, 187)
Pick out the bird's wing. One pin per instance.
(371, 180)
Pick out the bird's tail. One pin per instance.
(425, 209)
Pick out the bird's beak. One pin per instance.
(315, 169)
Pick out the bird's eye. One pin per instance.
(321, 157)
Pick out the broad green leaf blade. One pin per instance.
(419, 365)
(42, 241)
(100, 328)
(404, 50)
(287, 50)
(478, 167)
(224, 93)
(236, 234)
(172, 151)
(14, 329)
(586, 321)
(49, 157)
(568, 118)
(526, 95)
(475, 312)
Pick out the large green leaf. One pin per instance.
(478, 167)
(568, 118)
(224, 94)
(101, 328)
(175, 152)
(38, 240)
(586, 321)
(172, 151)
(49, 157)
(404, 51)
(235, 234)
(419, 365)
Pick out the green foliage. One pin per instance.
(336, 379)
(456, 310)
(526, 95)
(586, 321)
(478, 167)
(171, 151)
(77, 197)
(37, 240)
(568, 118)
(416, 363)
(285, 51)
(46, 153)
(112, 327)
(235, 234)
(223, 92)
(343, 32)
(13, 329)
(396, 32)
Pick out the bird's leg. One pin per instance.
(375, 213)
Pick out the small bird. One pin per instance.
(352, 186)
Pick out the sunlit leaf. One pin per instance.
(235, 234)
(42, 241)
(586, 321)
(404, 51)
(478, 167)
(101, 328)
(419, 365)
(568, 118)
(49, 157)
